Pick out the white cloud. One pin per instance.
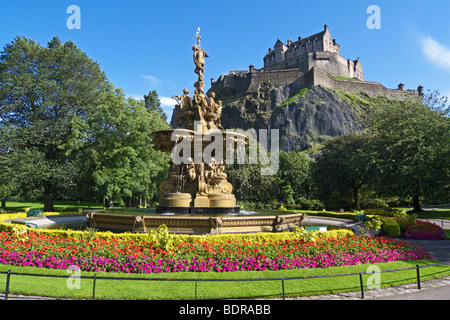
(436, 52)
(167, 102)
(149, 78)
(135, 96)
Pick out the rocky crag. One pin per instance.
(305, 116)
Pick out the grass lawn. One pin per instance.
(60, 205)
(436, 214)
(174, 290)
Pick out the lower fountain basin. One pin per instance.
(195, 224)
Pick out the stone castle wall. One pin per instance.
(330, 62)
(373, 89)
(250, 82)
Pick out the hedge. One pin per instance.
(390, 227)
(18, 215)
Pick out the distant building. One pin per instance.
(319, 51)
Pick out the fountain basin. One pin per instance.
(201, 224)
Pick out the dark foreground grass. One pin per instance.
(134, 289)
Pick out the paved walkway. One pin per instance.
(46, 221)
(344, 223)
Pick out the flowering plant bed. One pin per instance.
(421, 230)
(199, 254)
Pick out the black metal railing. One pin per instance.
(96, 278)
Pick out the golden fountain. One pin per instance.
(196, 196)
(197, 182)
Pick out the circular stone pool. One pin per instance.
(144, 220)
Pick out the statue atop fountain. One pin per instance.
(197, 186)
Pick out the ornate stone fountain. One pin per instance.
(197, 182)
(196, 196)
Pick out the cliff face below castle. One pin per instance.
(304, 116)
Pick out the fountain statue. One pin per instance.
(197, 183)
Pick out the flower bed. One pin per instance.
(421, 230)
(199, 254)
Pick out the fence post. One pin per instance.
(195, 289)
(8, 276)
(362, 285)
(418, 276)
(93, 287)
(282, 284)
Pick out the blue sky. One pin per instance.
(143, 45)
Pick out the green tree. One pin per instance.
(7, 183)
(152, 103)
(46, 94)
(295, 171)
(126, 164)
(342, 166)
(248, 182)
(410, 148)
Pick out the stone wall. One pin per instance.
(372, 89)
(276, 78)
(251, 82)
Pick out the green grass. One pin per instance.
(175, 290)
(60, 205)
(344, 77)
(435, 214)
(447, 233)
(300, 94)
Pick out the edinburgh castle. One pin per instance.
(314, 60)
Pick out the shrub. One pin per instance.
(390, 227)
(307, 204)
(373, 203)
(11, 216)
(384, 212)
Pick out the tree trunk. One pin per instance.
(356, 197)
(416, 204)
(3, 203)
(48, 198)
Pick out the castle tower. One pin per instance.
(319, 50)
